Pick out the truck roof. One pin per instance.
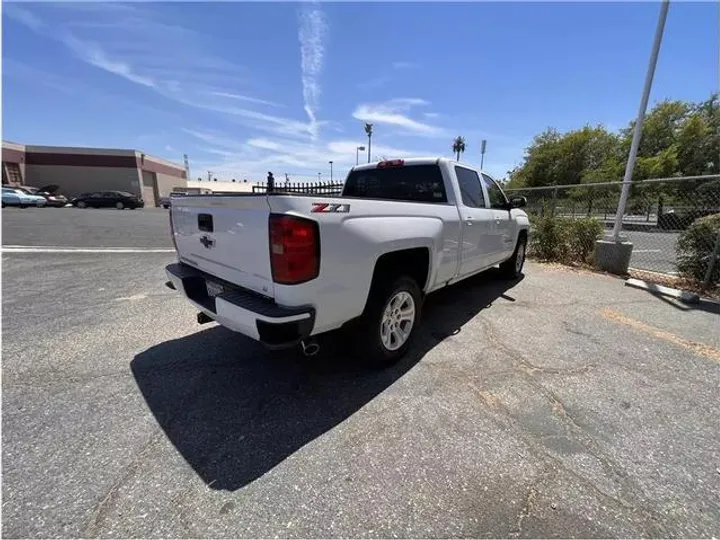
(432, 160)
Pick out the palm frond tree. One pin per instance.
(369, 133)
(458, 146)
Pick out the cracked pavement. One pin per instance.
(564, 405)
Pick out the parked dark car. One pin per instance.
(108, 199)
(679, 220)
(53, 196)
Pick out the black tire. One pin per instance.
(119, 205)
(81, 204)
(370, 345)
(4, 205)
(512, 268)
(23, 206)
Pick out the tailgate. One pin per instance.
(227, 237)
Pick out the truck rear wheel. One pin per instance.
(389, 323)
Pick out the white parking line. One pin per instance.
(49, 249)
(647, 250)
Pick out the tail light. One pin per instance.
(294, 249)
(172, 230)
(391, 163)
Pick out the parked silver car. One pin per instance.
(18, 197)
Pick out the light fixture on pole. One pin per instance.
(331, 176)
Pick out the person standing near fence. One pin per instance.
(270, 182)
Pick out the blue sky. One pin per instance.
(244, 88)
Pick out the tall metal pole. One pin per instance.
(640, 119)
(483, 145)
(331, 170)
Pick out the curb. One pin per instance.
(683, 296)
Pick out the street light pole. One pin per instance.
(331, 176)
(640, 119)
(483, 144)
(357, 153)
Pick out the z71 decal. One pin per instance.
(330, 208)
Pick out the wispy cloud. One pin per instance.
(92, 54)
(23, 16)
(248, 99)
(404, 65)
(132, 42)
(313, 29)
(253, 157)
(395, 112)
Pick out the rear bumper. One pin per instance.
(242, 310)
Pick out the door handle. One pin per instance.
(468, 221)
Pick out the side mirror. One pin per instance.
(518, 202)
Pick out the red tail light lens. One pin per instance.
(294, 249)
(391, 163)
(172, 229)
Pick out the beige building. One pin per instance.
(80, 170)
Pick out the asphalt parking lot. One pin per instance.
(561, 405)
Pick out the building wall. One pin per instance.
(74, 180)
(77, 170)
(14, 153)
(166, 183)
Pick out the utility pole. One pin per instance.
(187, 166)
(331, 176)
(483, 144)
(640, 119)
(612, 253)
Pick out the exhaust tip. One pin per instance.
(310, 348)
(170, 285)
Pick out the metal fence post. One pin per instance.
(553, 203)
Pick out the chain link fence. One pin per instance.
(673, 224)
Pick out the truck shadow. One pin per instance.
(234, 410)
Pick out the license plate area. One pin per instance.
(214, 288)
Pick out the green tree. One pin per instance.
(458, 146)
(369, 132)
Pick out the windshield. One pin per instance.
(416, 183)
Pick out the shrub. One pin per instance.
(695, 249)
(581, 238)
(546, 240)
(565, 240)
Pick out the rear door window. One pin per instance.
(496, 195)
(415, 183)
(470, 188)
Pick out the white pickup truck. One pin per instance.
(282, 268)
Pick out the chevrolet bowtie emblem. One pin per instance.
(207, 242)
